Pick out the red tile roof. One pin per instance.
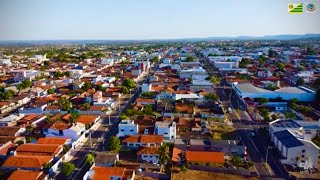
(148, 150)
(38, 149)
(101, 173)
(27, 161)
(25, 175)
(52, 140)
(144, 138)
(86, 119)
(202, 156)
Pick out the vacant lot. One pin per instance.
(201, 175)
(224, 132)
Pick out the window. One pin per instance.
(303, 150)
(131, 130)
(303, 161)
(130, 144)
(145, 156)
(150, 156)
(196, 163)
(121, 130)
(207, 164)
(302, 156)
(165, 133)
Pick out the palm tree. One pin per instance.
(86, 106)
(164, 156)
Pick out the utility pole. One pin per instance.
(109, 117)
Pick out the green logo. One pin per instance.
(295, 8)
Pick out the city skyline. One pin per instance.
(145, 20)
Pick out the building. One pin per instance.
(293, 140)
(149, 154)
(106, 159)
(5, 62)
(301, 93)
(166, 129)
(109, 173)
(31, 175)
(204, 158)
(127, 128)
(136, 141)
(38, 59)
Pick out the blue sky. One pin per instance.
(150, 19)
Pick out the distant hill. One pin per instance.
(269, 37)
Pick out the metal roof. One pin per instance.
(287, 139)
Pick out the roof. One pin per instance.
(148, 150)
(27, 161)
(203, 156)
(176, 153)
(52, 140)
(38, 149)
(9, 131)
(287, 139)
(105, 157)
(86, 119)
(140, 100)
(248, 87)
(106, 172)
(27, 175)
(144, 138)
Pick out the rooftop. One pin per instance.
(287, 139)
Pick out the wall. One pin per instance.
(151, 158)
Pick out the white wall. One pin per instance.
(151, 158)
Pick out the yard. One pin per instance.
(223, 132)
(197, 175)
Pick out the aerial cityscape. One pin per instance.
(143, 90)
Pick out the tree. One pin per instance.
(74, 116)
(148, 109)
(85, 106)
(124, 117)
(215, 80)
(129, 83)
(311, 51)
(164, 156)
(51, 91)
(100, 55)
(244, 62)
(67, 73)
(274, 116)
(114, 144)
(46, 63)
(101, 88)
(124, 90)
(48, 165)
(264, 113)
(155, 59)
(280, 66)
(316, 83)
(58, 74)
(66, 148)
(212, 96)
(237, 161)
(67, 168)
(262, 100)
(190, 59)
(65, 104)
(86, 86)
(147, 94)
(300, 82)
(89, 159)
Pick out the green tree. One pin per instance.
(155, 59)
(67, 73)
(147, 94)
(65, 104)
(51, 91)
(300, 82)
(274, 116)
(148, 109)
(48, 165)
(86, 86)
(85, 106)
(67, 168)
(46, 63)
(311, 51)
(101, 88)
(215, 80)
(280, 66)
(129, 83)
(89, 159)
(212, 96)
(164, 156)
(244, 62)
(100, 55)
(124, 117)
(58, 74)
(124, 90)
(114, 144)
(74, 116)
(190, 59)
(8, 95)
(262, 100)
(237, 161)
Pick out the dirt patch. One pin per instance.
(201, 175)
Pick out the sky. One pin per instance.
(151, 19)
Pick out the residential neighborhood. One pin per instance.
(159, 90)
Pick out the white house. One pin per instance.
(21, 75)
(187, 96)
(166, 129)
(59, 129)
(76, 73)
(109, 173)
(136, 141)
(293, 140)
(5, 62)
(127, 128)
(38, 59)
(149, 154)
(107, 61)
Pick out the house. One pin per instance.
(30, 149)
(10, 120)
(149, 154)
(28, 175)
(127, 128)
(204, 158)
(106, 159)
(26, 162)
(166, 129)
(109, 173)
(293, 139)
(54, 141)
(12, 131)
(38, 59)
(5, 62)
(143, 101)
(177, 155)
(135, 141)
(88, 120)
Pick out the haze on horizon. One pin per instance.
(147, 19)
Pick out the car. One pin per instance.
(253, 134)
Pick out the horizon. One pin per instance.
(144, 20)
